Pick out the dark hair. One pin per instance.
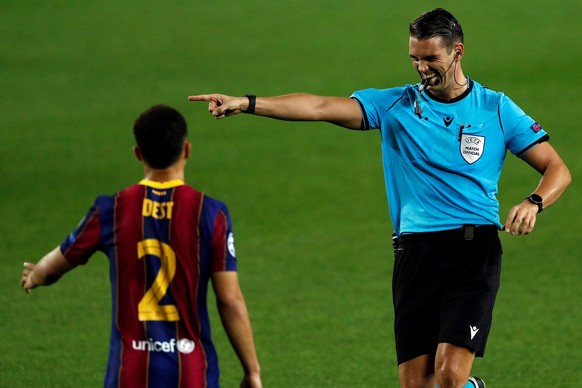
(160, 133)
(437, 23)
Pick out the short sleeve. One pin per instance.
(84, 241)
(521, 131)
(223, 250)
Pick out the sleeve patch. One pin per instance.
(536, 127)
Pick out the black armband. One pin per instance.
(252, 101)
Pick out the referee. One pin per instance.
(444, 141)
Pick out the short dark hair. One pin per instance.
(437, 23)
(160, 133)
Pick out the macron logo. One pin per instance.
(474, 330)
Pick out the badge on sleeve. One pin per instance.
(230, 244)
(536, 127)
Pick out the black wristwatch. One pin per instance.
(537, 200)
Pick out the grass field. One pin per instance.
(307, 200)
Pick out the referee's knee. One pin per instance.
(453, 366)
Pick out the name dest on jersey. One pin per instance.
(157, 210)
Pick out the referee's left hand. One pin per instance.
(521, 218)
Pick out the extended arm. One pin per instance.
(341, 111)
(235, 319)
(555, 178)
(46, 272)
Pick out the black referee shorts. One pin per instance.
(444, 287)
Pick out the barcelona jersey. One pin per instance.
(163, 241)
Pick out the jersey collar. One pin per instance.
(459, 98)
(162, 185)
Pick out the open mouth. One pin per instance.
(430, 79)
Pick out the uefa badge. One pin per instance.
(230, 244)
(472, 147)
(186, 346)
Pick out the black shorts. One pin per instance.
(444, 287)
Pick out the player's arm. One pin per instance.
(235, 319)
(555, 179)
(47, 271)
(341, 111)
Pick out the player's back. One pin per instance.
(163, 242)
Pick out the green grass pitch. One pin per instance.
(307, 200)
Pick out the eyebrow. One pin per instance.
(429, 58)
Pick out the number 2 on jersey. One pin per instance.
(149, 308)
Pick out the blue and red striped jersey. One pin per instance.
(163, 241)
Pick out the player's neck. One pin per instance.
(175, 172)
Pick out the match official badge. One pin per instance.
(472, 147)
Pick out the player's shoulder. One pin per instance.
(211, 203)
(208, 202)
(105, 199)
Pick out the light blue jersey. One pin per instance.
(442, 166)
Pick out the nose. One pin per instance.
(422, 66)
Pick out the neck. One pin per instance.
(457, 86)
(174, 172)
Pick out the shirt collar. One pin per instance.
(162, 185)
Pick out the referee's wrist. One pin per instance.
(252, 102)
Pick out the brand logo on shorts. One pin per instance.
(472, 147)
(474, 330)
(183, 346)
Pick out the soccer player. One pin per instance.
(165, 241)
(444, 141)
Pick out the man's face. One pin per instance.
(433, 61)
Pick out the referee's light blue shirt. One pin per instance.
(442, 167)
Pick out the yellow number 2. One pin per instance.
(149, 308)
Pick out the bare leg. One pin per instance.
(417, 373)
(453, 365)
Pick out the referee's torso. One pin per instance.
(442, 166)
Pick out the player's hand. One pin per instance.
(26, 280)
(220, 105)
(251, 381)
(521, 218)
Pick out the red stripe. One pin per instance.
(86, 241)
(185, 239)
(219, 242)
(131, 284)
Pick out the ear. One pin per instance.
(459, 49)
(137, 153)
(187, 149)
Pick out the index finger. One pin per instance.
(203, 97)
